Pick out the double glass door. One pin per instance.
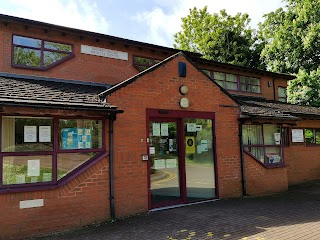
(181, 161)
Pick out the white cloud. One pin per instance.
(161, 26)
(81, 14)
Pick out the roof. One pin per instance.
(52, 94)
(262, 108)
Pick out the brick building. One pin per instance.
(95, 127)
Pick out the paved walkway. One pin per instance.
(292, 215)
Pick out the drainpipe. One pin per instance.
(243, 175)
(112, 118)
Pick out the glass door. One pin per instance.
(199, 159)
(164, 163)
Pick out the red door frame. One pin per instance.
(178, 116)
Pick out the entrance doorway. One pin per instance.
(181, 158)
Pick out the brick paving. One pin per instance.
(288, 216)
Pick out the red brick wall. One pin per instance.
(303, 161)
(261, 180)
(82, 201)
(159, 89)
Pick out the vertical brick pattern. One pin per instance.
(159, 89)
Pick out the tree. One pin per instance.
(220, 37)
(305, 89)
(291, 39)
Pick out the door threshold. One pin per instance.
(182, 205)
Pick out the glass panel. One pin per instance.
(317, 136)
(244, 79)
(219, 76)
(206, 72)
(255, 89)
(231, 77)
(28, 42)
(70, 161)
(80, 134)
(27, 134)
(273, 155)
(309, 135)
(27, 169)
(255, 81)
(220, 83)
(252, 135)
(164, 171)
(257, 152)
(52, 57)
(231, 85)
(200, 175)
(282, 92)
(58, 46)
(244, 88)
(271, 135)
(27, 57)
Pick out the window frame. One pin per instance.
(264, 146)
(100, 153)
(280, 98)
(238, 82)
(138, 65)
(42, 49)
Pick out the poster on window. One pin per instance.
(190, 145)
(156, 129)
(44, 133)
(159, 164)
(34, 168)
(76, 138)
(164, 130)
(30, 133)
(297, 135)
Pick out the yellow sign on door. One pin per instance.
(190, 145)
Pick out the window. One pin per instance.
(32, 155)
(282, 94)
(264, 143)
(235, 82)
(142, 63)
(312, 136)
(225, 80)
(39, 54)
(249, 84)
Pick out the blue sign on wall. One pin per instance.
(76, 138)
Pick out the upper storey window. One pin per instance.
(142, 63)
(282, 94)
(236, 82)
(39, 54)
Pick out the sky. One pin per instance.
(150, 21)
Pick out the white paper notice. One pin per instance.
(30, 133)
(204, 145)
(191, 127)
(297, 135)
(171, 163)
(159, 164)
(164, 130)
(34, 168)
(44, 133)
(152, 150)
(156, 129)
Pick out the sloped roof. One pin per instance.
(262, 108)
(52, 94)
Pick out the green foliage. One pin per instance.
(220, 37)
(304, 90)
(292, 37)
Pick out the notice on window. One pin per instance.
(297, 135)
(164, 130)
(171, 163)
(191, 127)
(152, 150)
(71, 139)
(44, 133)
(156, 129)
(190, 145)
(204, 145)
(159, 164)
(34, 168)
(30, 133)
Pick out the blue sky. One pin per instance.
(151, 21)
